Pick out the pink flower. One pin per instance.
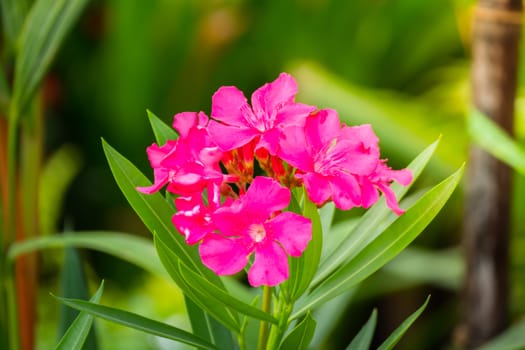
(331, 157)
(188, 164)
(273, 108)
(254, 225)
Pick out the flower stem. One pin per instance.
(263, 329)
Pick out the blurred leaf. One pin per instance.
(74, 285)
(13, 15)
(489, 136)
(385, 247)
(45, 28)
(172, 264)
(511, 339)
(371, 224)
(136, 250)
(301, 336)
(394, 338)
(363, 339)
(303, 269)
(161, 130)
(138, 322)
(4, 94)
(76, 335)
(56, 176)
(154, 211)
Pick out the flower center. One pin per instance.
(257, 232)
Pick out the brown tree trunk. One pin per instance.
(496, 38)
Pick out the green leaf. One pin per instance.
(493, 139)
(162, 131)
(74, 285)
(303, 269)
(363, 339)
(394, 338)
(13, 15)
(214, 295)
(217, 310)
(76, 335)
(371, 224)
(301, 336)
(510, 339)
(136, 250)
(44, 30)
(138, 322)
(154, 211)
(385, 247)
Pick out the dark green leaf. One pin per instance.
(363, 339)
(394, 338)
(385, 247)
(301, 336)
(162, 131)
(13, 16)
(44, 30)
(76, 335)
(138, 322)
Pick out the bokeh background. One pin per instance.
(400, 65)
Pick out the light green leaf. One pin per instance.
(301, 336)
(493, 139)
(371, 224)
(154, 211)
(214, 295)
(44, 30)
(510, 339)
(303, 269)
(394, 338)
(217, 310)
(13, 15)
(136, 250)
(162, 131)
(76, 334)
(363, 339)
(138, 322)
(385, 247)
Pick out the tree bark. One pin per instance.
(496, 37)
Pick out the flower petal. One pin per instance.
(345, 191)
(292, 231)
(270, 266)
(265, 196)
(322, 128)
(272, 96)
(229, 137)
(317, 187)
(294, 149)
(183, 122)
(224, 256)
(227, 105)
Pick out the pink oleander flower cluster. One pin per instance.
(239, 218)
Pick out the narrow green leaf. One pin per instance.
(511, 339)
(301, 336)
(44, 30)
(371, 224)
(363, 339)
(13, 16)
(493, 139)
(136, 250)
(154, 211)
(74, 285)
(76, 335)
(385, 247)
(217, 310)
(214, 295)
(394, 338)
(162, 131)
(138, 322)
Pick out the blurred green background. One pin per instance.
(401, 65)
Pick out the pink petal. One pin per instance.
(322, 128)
(156, 154)
(356, 160)
(270, 266)
(345, 191)
(391, 200)
(231, 137)
(294, 149)
(222, 255)
(265, 196)
(227, 105)
(293, 114)
(317, 187)
(272, 96)
(369, 194)
(183, 122)
(192, 224)
(292, 231)
(270, 141)
(160, 181)
(230, 220)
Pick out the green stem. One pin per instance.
(263, 329)
(277, 333)
(12, 322)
